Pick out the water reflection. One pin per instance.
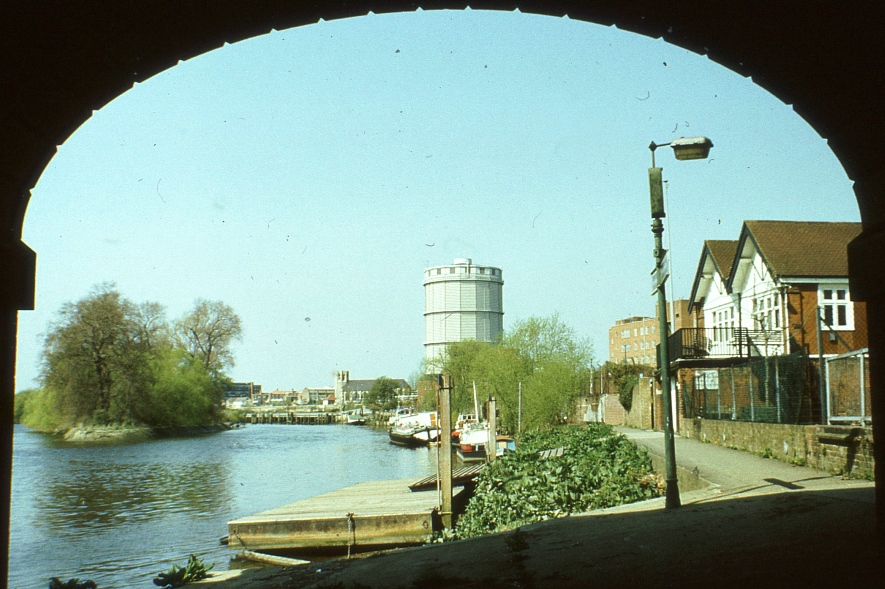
(94, 494)
(120, 514)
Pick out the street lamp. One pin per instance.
(684, 148)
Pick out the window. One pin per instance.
(837, 310)
(766, 311)
(722, 322)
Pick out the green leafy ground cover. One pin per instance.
(597, 468)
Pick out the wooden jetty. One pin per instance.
(460, 477)
(291, 417)
(373, 515)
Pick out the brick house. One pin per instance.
(761, 294)
(762, 303)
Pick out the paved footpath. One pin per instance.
(728, 470)
(760, 523)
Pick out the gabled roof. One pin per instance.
(720, 255)
(722, 251)
(798, 249)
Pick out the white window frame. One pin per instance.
(766, 311)
(835, 305)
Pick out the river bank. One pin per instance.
(127, 433)
(103, 434)
(759, 523)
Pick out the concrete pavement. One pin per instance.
(720, 469)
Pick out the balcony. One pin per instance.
(724, 342)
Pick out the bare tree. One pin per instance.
(151, 328)
(208, 333)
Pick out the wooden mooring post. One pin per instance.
(445, 450)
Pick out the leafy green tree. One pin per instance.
(463, 362)
(543, 355)
(84, 356)
(383, 394)
(208, 332)
(107, 360)
(182, 394)
(555, 362)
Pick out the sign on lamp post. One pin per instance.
(683, 149)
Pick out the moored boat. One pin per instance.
(400, 414)
(473, 442)
(464, 420)
(355, 417)
(419, 429)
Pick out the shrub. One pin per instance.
(598, 468)
(178, 576)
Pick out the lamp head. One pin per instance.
(691, 148)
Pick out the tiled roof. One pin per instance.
(722, 252)
(803, 248)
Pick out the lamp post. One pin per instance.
(684, 148)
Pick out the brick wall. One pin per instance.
(642, 410)
(802, 310)
(641, 414)
(615, 414)
(836, 449)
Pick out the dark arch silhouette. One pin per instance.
(61, 61)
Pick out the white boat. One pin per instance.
(473, 442)
(400, 413)
(418, 429)
(356, 417)
(464, 421)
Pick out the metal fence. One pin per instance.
(848, 387)
(778, 389)
(727, 342)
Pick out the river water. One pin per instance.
(120, 514)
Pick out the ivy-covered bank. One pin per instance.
(597, 468)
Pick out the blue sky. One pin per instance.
(307, 177)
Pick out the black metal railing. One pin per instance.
(724, 342)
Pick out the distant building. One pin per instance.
(278, 397)
(240, 394)
(355, 391)
(316, 395)
(634, 340)
(462, 301)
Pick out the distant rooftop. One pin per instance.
(632, 320)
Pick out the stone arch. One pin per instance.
(58, 65)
